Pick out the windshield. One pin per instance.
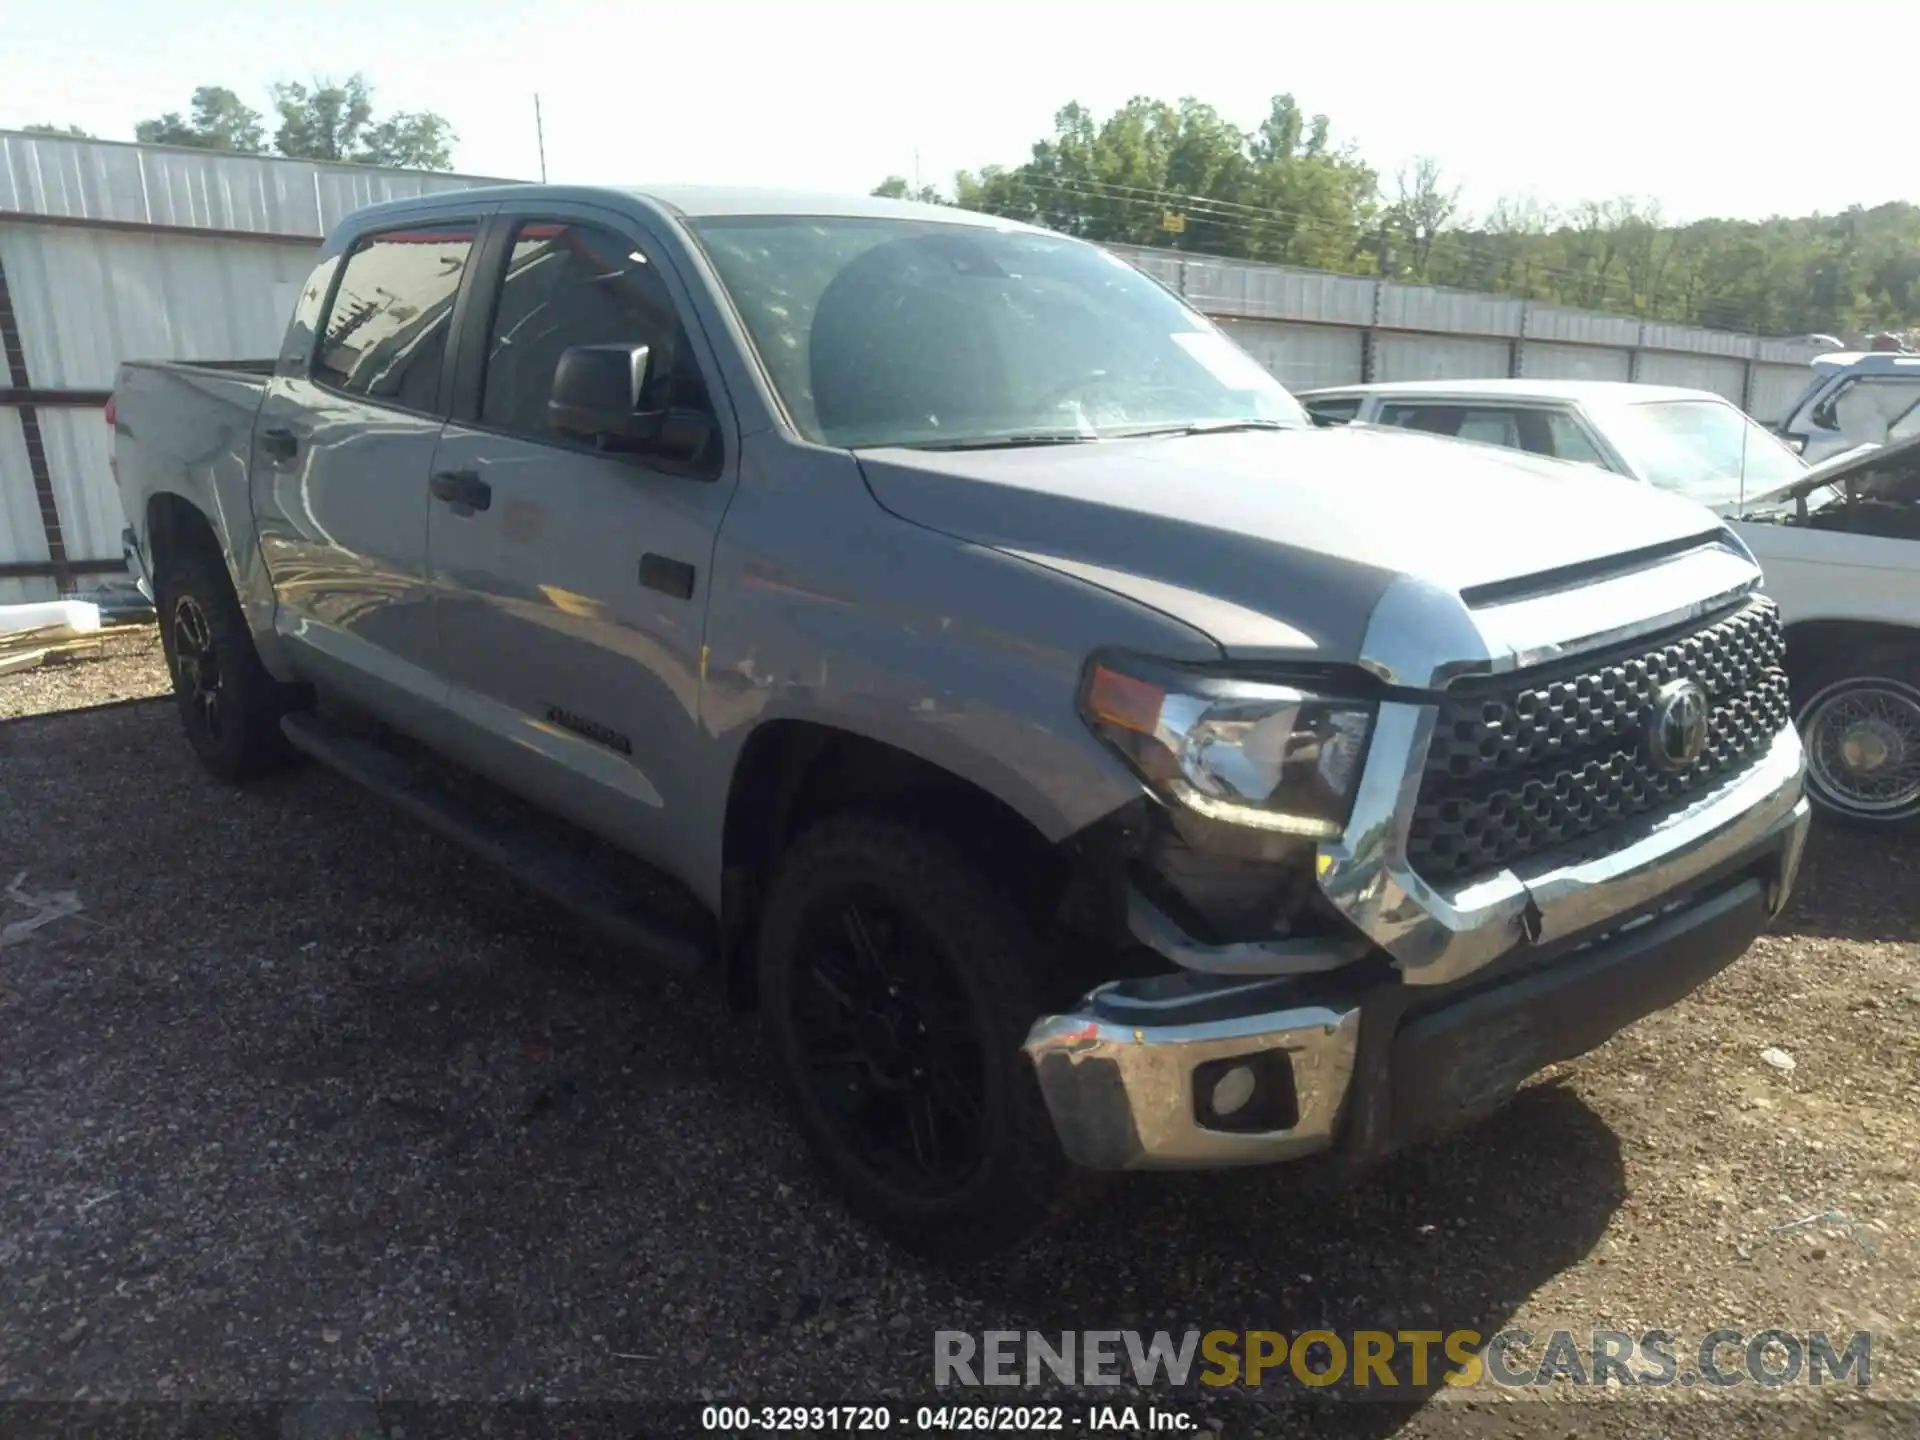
(906, 332)
(1707, 450)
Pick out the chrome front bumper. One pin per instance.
(1118, 1071)
(1437, 936)
(1120, 1084)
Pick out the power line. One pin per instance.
(1235, 218)
(1226, 219)
(1612, 290)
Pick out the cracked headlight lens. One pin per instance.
(1270, 756)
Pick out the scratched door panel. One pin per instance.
(340, 465)
(569, 610)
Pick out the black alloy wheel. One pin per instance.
(897, 985)
(892, 1053)
(196, 668)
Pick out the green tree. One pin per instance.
(335, 121)
(1422, 210)
(1184, 177)
(217, 120)
(410, 140)
(898, 187)
(71, 131)
(321, 121)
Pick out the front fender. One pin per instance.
(828, 609)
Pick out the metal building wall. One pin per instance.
(1302, 357)
(23, 539)
(78, 451)
(178, 296)
(111, 252)
(1551, 360)
(1696, 372)
(1311, 329)
(1438, 357)
(104, 183)
(1774, 390)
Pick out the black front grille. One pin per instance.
(1545, 758)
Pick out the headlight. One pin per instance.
(1270, 756)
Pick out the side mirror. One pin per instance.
(597, 390)
(597, 394)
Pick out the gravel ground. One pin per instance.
(129, 666)
(305, 1102)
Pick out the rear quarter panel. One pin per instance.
(188, 432)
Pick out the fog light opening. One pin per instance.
(1252, 1094)
(1232, 1091)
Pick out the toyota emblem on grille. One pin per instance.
(1677, 725)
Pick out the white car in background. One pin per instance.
(1855, 398)
(1839, 543)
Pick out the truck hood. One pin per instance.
(1281, 542)
(1853, 464)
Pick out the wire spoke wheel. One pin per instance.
(890, 1049)
(197, 677)
(1863, 747)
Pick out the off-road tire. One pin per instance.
(238, 738)
(1024, 1182)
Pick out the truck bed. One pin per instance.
(219, 367)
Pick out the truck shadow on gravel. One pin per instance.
(1454, 1235)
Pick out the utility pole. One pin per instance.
(916, 172)
(540, 136)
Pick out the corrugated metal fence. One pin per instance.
(111, 251)
(1311, 329)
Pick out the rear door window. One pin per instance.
(1491, 427)
(1485, 424)
(385, 334)
(1865, 408)
(1432, 419)
(1334, 410)
(1906, 427)
(1569, 440)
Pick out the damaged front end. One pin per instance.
(1526, 857)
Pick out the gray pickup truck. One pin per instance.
(937, 632)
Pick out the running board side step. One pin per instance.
(575, 884)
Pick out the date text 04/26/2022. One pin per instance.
(961, 1419)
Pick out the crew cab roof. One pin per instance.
(697, 202)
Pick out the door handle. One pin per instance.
(280, 443)
(461, 488)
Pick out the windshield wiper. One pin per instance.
(1008, 442)
(1201, 427)
(1088, 437)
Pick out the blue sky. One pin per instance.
(1705, 106)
